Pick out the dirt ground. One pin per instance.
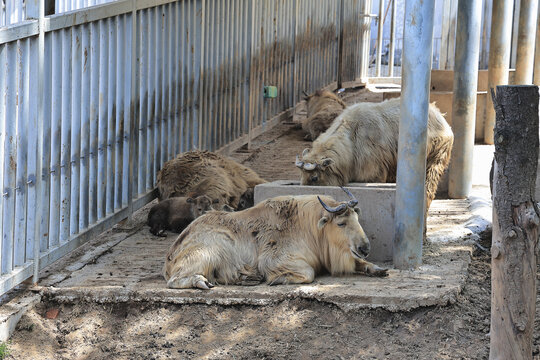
(292, 329)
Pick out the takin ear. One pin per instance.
(326, 162)
(190, 200)
(305, 152)
(322, 222)
(358, 211)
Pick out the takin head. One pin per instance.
(319, 170)
(342, 228)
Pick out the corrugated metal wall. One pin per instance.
(130, 84)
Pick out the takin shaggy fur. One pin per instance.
(362, 145)
(176, 213)
(322, 108)
(283, 240)
(196, 173)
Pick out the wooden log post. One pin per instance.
(514, 248)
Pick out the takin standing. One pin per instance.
(283, 240)
(206, 173)
(362, 145)
(322, 108)
(176, 213)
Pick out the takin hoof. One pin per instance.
(378, 272)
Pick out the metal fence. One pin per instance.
(94, 101)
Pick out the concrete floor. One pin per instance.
(125, 263)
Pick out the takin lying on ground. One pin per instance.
(362, 145)
(196, 173)
(283, 240)
(322, 108)
(176, 213)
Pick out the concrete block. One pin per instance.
(376, 202)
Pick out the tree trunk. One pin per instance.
(515, 223)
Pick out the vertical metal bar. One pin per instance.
(20, 190)
(411, 169)
(39, 151)
(525, 48)
(172, 119)
(65, 150)
(379, 39)
(182, 44)
(119, 125)
(464, 100)
(56, 132)
(175, 84)
(499, 57)
(178, 64)
(144, 121)
(109, 120)
(102, 116)
(31, 113)
(130, 85)
(392, 39)
(84, 207)
(131, 41)
(151, 98)
(76, 80)
(10, 156)
(201, 71)
(163, 96)
(158, 68)
(4, 48)
(94, 121)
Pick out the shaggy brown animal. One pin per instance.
(283, 240)
(362, 144)
(322, 108)
(176, 213)
(206, 173)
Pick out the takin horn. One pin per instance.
(338, 209)
(353, 202)
(298, 163)
(309, 166)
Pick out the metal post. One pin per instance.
(132, 108)
(411, 169)
(340, 47)
(379, 39)
(525, 47)
(392, 39)
(536, 80)
(499, 57)
(464, 102)
(39, 149)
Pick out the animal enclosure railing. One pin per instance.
(95, 100)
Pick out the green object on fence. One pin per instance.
(270, 92)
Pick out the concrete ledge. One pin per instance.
(376, 201)
(11, 313)
(436, 283)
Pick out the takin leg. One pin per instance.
(437, 161)
(297, 272)
(368, 268)
(203, 266)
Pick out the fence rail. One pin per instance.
(128, 85)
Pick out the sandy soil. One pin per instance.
(292, 329)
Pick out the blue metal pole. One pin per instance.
(499, 57)
(411, 169)
(464, 102)
(528, 13)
